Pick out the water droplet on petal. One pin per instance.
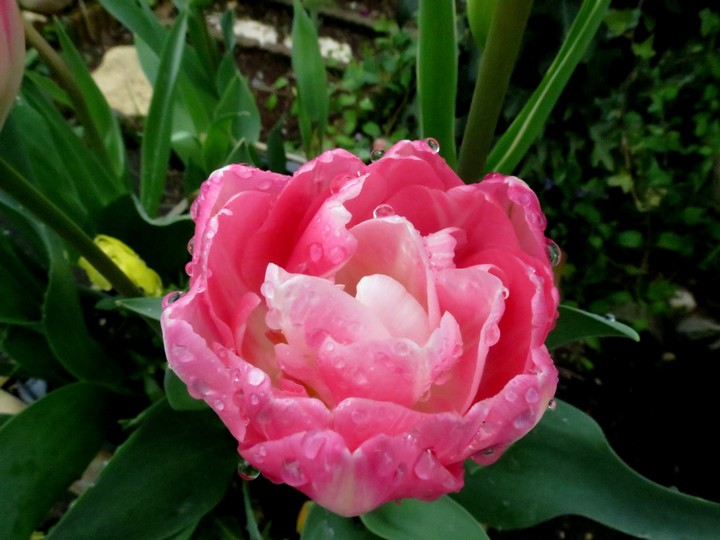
(256, 377)
(265, 184)
(426, 465)
(523, 421)
(552, 405)
(191, 245)
(400, 472)
(532, 395)
(553, 252)
(254, 400)
(247, 471)
(292, 474)
(189, 269)
(433, 144)
(401, 348)
(376, 154)
(312, 443)
(171, 298)
(218, 405)
(200, 388)
(315, 252)
(510, 396)
(505, 293)
(383, 210)
(337, 254)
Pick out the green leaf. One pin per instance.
(44, 449)
(29, 349)
(322, 524)
(575, 324)
(21, 288)
(437, 74)
(480, 14)
(65, 326)
(309, 68)
(178, 396)
(276, 158)
(412, 519)
(171, 471)
(146, 306)
(565, 466)
(528, 125)
(156, 139)
(101, 115)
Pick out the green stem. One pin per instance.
(28, 195)
(498, 60)
(59, 68)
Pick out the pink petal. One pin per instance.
(406, 163)
(522, 207)
(308, 310)
(392, 247)
(475, 298)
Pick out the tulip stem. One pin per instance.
(498, 59)
(16, 185)
(60, 69)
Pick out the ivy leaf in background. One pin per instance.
(565, 466)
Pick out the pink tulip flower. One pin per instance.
(362, 330)
(12, 55)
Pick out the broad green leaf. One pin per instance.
(44, 449)
(412, 519)
(29, 349)
(172, 471)
(437, 74)
(528, 125)
(65, 170)
(147, 307)
(65, 326)
(106, 123)
(158, 128)
(309, 68)
(21, 283)
(178, 396)
(575, 324)
(565, 466)
(322, 524)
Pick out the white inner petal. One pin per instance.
(398, 310)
